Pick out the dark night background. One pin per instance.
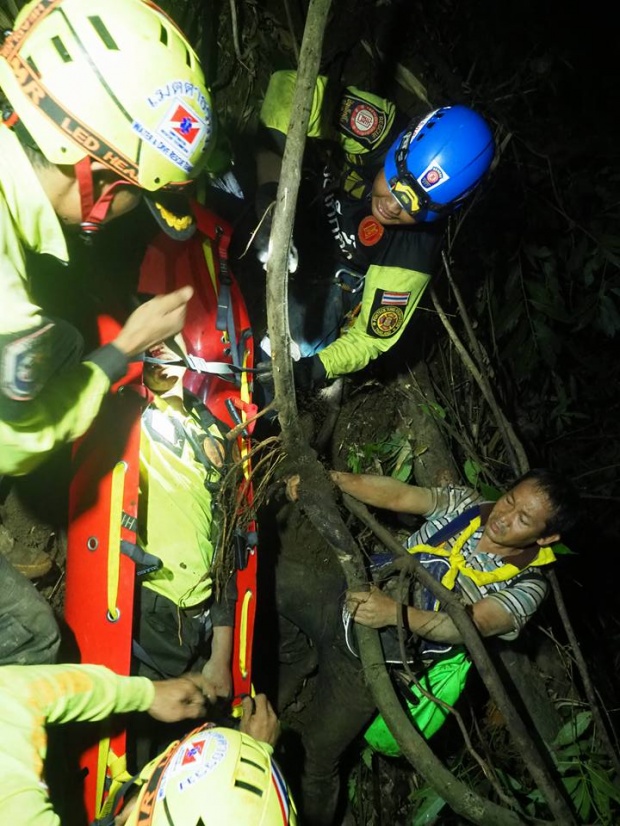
(537, 258)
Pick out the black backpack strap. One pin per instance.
(143, 656)
(456, 525)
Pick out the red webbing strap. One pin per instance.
(99, 211)
(84, 176)
(93, 214)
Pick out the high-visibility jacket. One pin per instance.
(47, 396)
(175, 514)
(397, 262)
(32, 696)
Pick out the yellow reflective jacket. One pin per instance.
(397, 262)
(175, 511)
(32, 427)
(31, 696)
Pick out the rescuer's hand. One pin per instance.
(154, 321)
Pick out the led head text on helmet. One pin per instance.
(437, 162)
(111, 79)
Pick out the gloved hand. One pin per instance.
(265, 205)
(309, 373)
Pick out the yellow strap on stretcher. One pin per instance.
(114, 538)
(106, 759)
(244, 394)
(111, 775)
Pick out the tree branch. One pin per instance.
(283, 219)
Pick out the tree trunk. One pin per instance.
(433, 463)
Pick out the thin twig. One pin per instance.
(458, 433)
(487, 768)
(239, 429)
(291, 28)
(268, 211)
(471, 336)
(235, 34)
(516, 452)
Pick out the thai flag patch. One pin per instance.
(398, 299)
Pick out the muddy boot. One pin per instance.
(31, 562)
(29, 633)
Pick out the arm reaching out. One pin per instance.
(65, 407)
(384, 492)
(216, 674)
(375, 609)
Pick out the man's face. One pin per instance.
(385, 207)
(160, 378)
(519, 518)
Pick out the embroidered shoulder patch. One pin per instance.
(361, 121)
(25, 363)
(387, 313)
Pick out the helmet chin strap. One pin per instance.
(93, 213)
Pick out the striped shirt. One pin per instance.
(521, 596)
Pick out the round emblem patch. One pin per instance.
(370, 231)
(386, 321)
(364, 120)
(433, 176)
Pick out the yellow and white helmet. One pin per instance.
(111, 79)
(215, 777)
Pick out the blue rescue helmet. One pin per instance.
(438, 161)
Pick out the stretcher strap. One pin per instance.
(246, 577)
(244, 632)
(112, 776)
(102, 768)
(114, 538)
